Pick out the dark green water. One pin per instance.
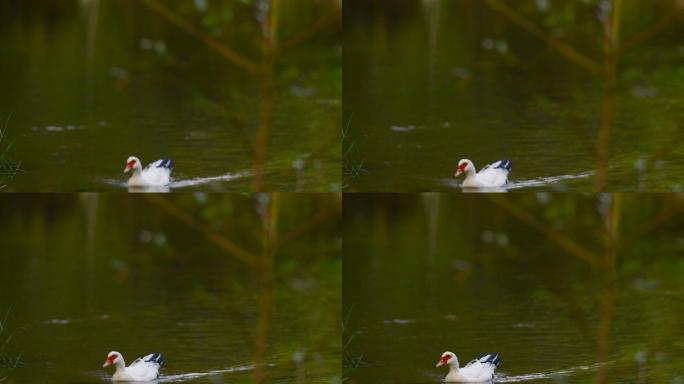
(84, 275)
(87, 84)
(424, 274)
(427, 83)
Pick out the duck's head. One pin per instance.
(447, 358)
(113, 357)
(464, 166)
(132, 163)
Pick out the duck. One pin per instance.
(477, 371)
(156, 174)
(142, 369)
(493, 175)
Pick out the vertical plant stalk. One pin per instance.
(92, 11)
(90, 203)
(269, 28)
(608, 281)
(263, 70)
(8, 168)
(611, 49)
(266, 284)
(8, 361)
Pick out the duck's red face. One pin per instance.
(130, 165)
(461, 168)
(111, 358)
(445, 359)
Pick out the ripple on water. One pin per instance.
(503, 378)
(195, 375)
(520, 184)
(184, 377)
(203, 180)
(179, 183)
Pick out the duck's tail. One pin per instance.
(154, 358)
(492, 358)
(503, 164)
(164, 163)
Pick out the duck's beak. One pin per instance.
(439, 363)
(127, 169)
(458, 173)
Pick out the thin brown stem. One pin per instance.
(562, 240)
(667, 212)
(266, 97)
(566, 50)
(312, 223)
(215, 45)
(611, 46)
(222, 241)
(307, 33)
(265, 122)
(266, 285)
(649, 32)
(608, 281)
(605, 132)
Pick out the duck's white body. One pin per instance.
(156, 174)
(477, 371)
(493, 175)
(142, 369)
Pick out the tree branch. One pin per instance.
(565, 242)
(563, 48)
(191, 222)
(218, 47)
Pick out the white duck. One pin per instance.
(477, 371)
(156, 174)
(142, 369)
(494, 175)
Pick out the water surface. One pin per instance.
(89, 83)
(83, 275)
(424, 274)
(430, 82)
